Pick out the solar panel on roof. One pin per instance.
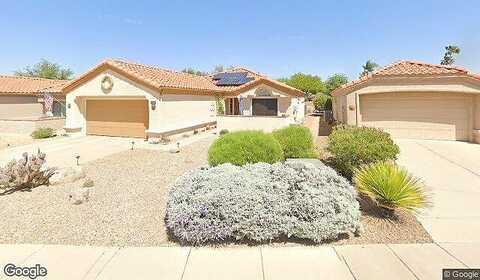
(229, 75)
(232, 79)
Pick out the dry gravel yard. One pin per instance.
(11, 140)
(126, 208)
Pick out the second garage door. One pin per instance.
(440, 116)
(126, 118)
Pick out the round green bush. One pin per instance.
(41, 133)
(352, 147)
(242, 147)
(296, 142)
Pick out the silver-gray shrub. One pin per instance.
(25, 173)
(261, 202)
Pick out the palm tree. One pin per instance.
(450, 52)
(369, 67)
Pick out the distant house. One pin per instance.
(119, 98)
(22, 106)
(415, 100)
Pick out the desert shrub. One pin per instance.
(223, 131)
(44, 132)
(322, 102)
(244, 147)
(26, 173)
(261, 202)
(391, 186)
(352, 147)
(296, 142)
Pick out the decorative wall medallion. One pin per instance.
(107, 84)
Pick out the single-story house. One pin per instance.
(22, 108)
(120, 98)
(415, 100)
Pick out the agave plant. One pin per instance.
(391, 186)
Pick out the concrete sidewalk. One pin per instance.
(377, 261)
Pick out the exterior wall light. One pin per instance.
(153, 104)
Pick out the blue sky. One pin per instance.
(277, 38)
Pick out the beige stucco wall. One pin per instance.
(476, 119)
(266, 124)
(172, 110)
(17, 107)
(176, 111)
(28, 126)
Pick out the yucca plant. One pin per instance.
(391, 186)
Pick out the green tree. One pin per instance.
(335, 81)
(369, 67)
(322, 102)
(216, 69)
(47, 70)
(449, 56)
(194, 72)
(309, 84)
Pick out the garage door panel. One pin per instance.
(126, 118)
(418, 115)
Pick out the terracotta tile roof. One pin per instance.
(28, 85)
(164, 78)
(408, 68)
(159, 79)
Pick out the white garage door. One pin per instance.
(441, 116)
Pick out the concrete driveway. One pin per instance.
(452, 172)
(61, 152)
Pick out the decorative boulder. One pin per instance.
(67, 175)
(79, 196)
(88, 183)
(153, 140)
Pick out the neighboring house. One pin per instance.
(414, 100)
(22, 106)
(119, 98)
(22, 97)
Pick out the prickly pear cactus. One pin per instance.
(25, 173)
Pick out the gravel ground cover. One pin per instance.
(11, 140)
(126, 207)
(15, 140)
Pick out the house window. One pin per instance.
(233, 106)
(265, 107)
(58, 109)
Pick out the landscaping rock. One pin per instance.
(79, 196)
(153, 141)
(67, 175)
(88, 183)
(61, 132)
(174, 150)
